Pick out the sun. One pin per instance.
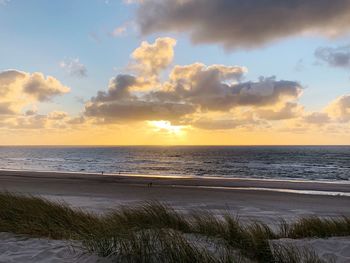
(165, 126)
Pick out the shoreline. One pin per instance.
(84, 173)
(313, 187)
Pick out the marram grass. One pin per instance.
(154, 232)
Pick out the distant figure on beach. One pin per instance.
(150, 184)
(102, 172)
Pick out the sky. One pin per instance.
(174, 72)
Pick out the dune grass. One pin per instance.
(154, 232)
(292, 254)
(153, 245)
(147, 215)
(39, 217)
(316, 227)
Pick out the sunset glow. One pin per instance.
(121, 75)
(161, 126)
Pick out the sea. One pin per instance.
(330, 163)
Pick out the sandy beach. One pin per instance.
(252, 198)
(265, 200)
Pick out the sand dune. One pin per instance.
(336, 249)
(247, 198)
(20, 249)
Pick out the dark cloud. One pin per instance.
(334, 57)
(248, 23)
(209, 92)
(118, 89)
(137, 111)
(119, 104)
(43, 89)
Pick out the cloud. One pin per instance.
(18, 89)
(245, 24)
(20, 92)
(26, 121)
(208, 88)
(57, 115)
(151, 59)
(137, 111)
(204, 97)
(118, 89)
(191, 93)
(76, 120)
(5, 108)
(334, 57)
(74, 67)
(31, 112)
(31, 119)
(199, 96)
(334, 118)
(43, 89)
(319, 118)
(120, 104)
(227, 124)
(8, 79)
(339, 109)
(289, 110)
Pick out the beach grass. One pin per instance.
(152, 245)
(155, 232)
(39, 217)
(292, 254)
(148, 215)
(316, 227)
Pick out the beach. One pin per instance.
(250, 199)
(253, 198)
